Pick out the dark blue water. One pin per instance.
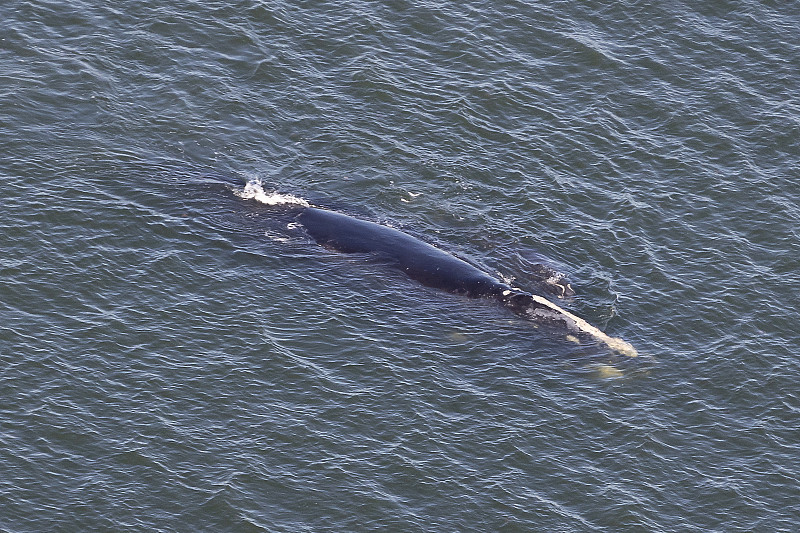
(176, 358)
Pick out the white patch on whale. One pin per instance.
(579, 324)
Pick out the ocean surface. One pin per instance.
(174, 357)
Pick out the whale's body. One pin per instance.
(436, 268)
(419, 260)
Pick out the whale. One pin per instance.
(434, 267)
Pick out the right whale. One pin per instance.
(436, 268)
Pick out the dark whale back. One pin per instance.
(419, 260)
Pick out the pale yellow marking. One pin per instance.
(615, 343)
(457, 336)
(606, 371)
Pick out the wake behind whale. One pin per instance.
(432, 266)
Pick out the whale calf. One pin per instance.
(436, 268)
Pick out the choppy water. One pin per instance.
(173, 358)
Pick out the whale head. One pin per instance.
(552, 281)
(558, 285)
(555, 283)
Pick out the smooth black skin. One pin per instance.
(419, 260)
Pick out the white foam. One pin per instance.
(254, 190)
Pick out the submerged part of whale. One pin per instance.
(436, 268)
(552, 281)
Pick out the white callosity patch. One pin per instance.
(579, 324)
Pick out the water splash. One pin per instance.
(254, 190)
